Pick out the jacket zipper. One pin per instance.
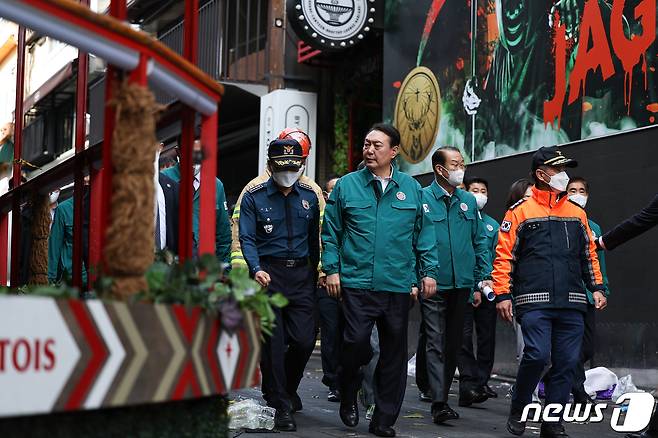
(566, 233)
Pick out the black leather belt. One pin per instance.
(288, 263)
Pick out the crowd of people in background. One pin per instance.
(354, 256)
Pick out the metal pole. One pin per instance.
(208, 187)
(101, 189)
(186, 196)
(80, 136)
(16, 178)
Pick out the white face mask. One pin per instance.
(54, 196)
(579, 199)
(455, 177)
(559, 182)
(288, 177)
(197, 169)
(481, 199)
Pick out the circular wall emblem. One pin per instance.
(331, 24)
(418, 113)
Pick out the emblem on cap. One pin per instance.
(268, 228)
(463, 206)
(401, 196)
(305, 204)
(489, 227)
(288, 150)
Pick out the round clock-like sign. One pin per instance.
(331, 24)
(418, 113)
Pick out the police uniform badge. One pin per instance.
(401, 196)
(506, 226)
(463, 206)
(305, 204)
(489, 227)
(268, 228)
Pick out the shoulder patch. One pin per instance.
(506, 226)
(257, 187)
(306, 186)
(519, 202)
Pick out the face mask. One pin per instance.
(197, 169)
(481, 199)
(287, 178)
(559, 182)
(579, 199)
(455, 177)
(54, 196)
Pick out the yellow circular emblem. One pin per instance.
(418, 113)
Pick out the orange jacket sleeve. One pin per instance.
(591, 269)
(505, 258)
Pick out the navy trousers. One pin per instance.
(331, 336)
(549, 334)
(284, 354)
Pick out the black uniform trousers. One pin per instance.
(331, 336)
(422, 379)
(286, 352)
(390, 311)
(474, 372)
(443, 321)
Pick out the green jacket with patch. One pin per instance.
(463, 247)
(373, 239)
(60, 245)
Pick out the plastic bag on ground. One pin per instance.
(624, 386)
(249, 414)
(411, 367)
(599, 380)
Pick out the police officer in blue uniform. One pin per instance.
(279, 234)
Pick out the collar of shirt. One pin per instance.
(368, 176)
(272, 188)
(440, 192)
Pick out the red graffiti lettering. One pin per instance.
(591, 31)
(553, 107)
(629, 51)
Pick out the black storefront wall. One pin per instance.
(623, 174)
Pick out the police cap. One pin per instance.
(285, 154)
(551, 156)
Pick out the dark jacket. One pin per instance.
(546, 255)
(170, 190)
(633, 226)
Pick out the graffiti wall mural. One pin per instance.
(497, 77)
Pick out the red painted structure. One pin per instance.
(143, 58)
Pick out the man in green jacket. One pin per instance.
(376, 225)
(222, 225)
(475, 364)
(465, 263)
(578, 190)
(60, 245)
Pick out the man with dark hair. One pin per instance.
(331, 316)
(464, 263)
(279, 236)
(376, 231)
(578, 190)
(474, 372)
(544, 259)
(222, 224)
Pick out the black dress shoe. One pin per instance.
(425, 396)
(514, 424)
(441, 413)
(489, 391)
(552, 430)
(645, 434)
(349, 413)
(296, 403)
(333, 396)
(381, 430)
(471, 396)
(284, 421)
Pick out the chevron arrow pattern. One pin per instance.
(95, 354)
